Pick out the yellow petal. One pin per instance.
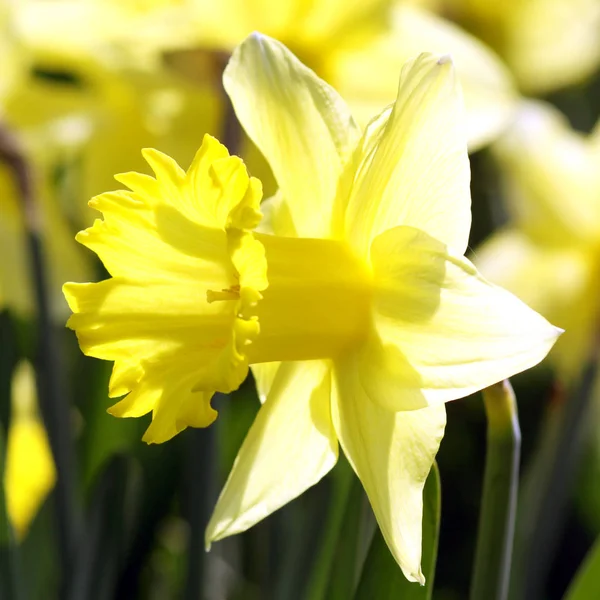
(365, 75)
(551, 177)
(414, 168)
(264, 375)
(298, 122)
(441, 331)
(392, 454)
(277, 217)
(30, 473)
(290, 447)
(558, 281)
(117, 319)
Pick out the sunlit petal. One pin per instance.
(366, 75)
(414, 168)
(392, 454)
(264, 375)
(290, 447)
(557, 281)
(296, 119)
(440, 329)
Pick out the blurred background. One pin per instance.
(89, 511)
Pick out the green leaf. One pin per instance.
(586, 583)
(342, 479)
(108, 528)
(345, 561)
(382, 578)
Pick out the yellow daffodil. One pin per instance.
(551, 254)
(352, 301)
(548, 44)
(134, 32)
(29, 471)
(93, 117)
(96, 90)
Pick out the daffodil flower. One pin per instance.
(353, 303)
(547, 44)
(549, 254)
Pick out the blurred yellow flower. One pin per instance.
(356, 281)
(550, 255)
(359, 46)
(29, 471)
(548, 44)
(89, 118)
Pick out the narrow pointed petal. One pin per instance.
(392, 454)
(365, 76)
(290, 447)
(441, 331)
(296, 119)
(414, 168)
(558, 281)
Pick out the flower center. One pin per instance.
(317, 302)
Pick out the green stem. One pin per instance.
(53, 401)
(549, 483)
(491, 572)
(343, 480)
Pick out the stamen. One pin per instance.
(232, 293)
